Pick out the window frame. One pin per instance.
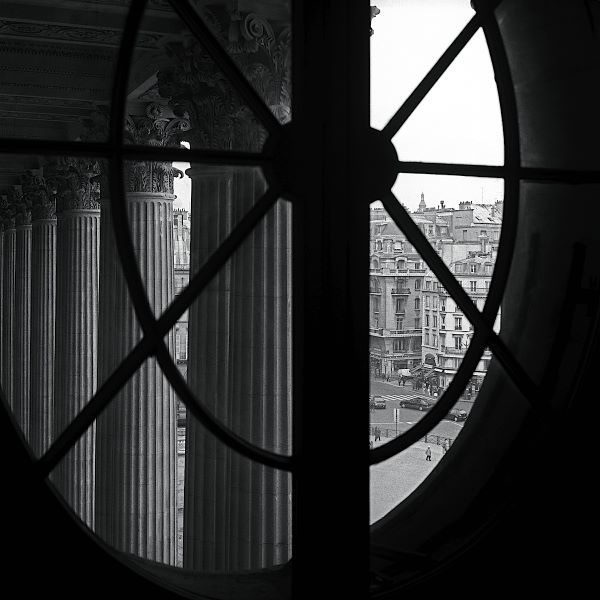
(341, 36)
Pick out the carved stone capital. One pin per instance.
(197, 89)
(74, 182)
(154, 128)
(7, 212)
(14, 214)
(40, 196)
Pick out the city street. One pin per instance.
(393, 393)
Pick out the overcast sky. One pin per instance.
(459, 120)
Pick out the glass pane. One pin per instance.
(409, 37)
(462, 219)
(177, 93)
(459, 120)
(392, 480)
(237, 513)
(67, 318)
(259, 40)
(418, 334)
(57, 65)
(234, 343)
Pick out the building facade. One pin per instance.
(414, 323)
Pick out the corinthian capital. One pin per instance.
(74, 182)
(7, 212)
(23, 207)
(195, 87)
(17, 210)
(39, 195)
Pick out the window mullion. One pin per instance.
(331, 241)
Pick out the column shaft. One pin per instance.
(8, 306)
(75, 368)
(43, 292)
(136, 435)
(238, 514)
(22, 326)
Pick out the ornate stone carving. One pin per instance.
(72, 33)
(374, 12)
(13, 212)
(7, 212)
(151, 129)
(41, 197)
(75, 183)
(196, 87)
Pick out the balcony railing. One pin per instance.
(456, 350)
(401, 290)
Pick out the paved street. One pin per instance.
(394, 394)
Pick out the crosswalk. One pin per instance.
(396, 397)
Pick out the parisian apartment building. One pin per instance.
(416, 328)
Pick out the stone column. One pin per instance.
(237, 514)
(75, 367)
(136, 455)
(22, 314)
(8, 295)
(43, 291)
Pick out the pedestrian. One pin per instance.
(371, 444)
(377, 434)
(444, 448)
(428, 453)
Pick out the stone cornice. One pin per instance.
(198, 90)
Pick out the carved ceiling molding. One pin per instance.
(83, 91)
(46, 101)
(31, 116)
(62, 51)
(50, 71)
(74, 33)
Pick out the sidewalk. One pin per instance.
(394, 479)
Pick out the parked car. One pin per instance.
(457, 414)
(377, 402)
(416, 402)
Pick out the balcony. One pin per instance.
(460, 351)
(376, 330)
(403, 291)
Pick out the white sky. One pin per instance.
(459, 120)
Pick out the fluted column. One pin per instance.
(237, 514)
(8, 296)
(75, 367)
(136, 458)
(207, 488)
(43, 294)
(22, 314)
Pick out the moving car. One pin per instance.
(457, 414)
(377, 402)
(416, 402)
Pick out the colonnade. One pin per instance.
(67, 322)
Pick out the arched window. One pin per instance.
(278, 261)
